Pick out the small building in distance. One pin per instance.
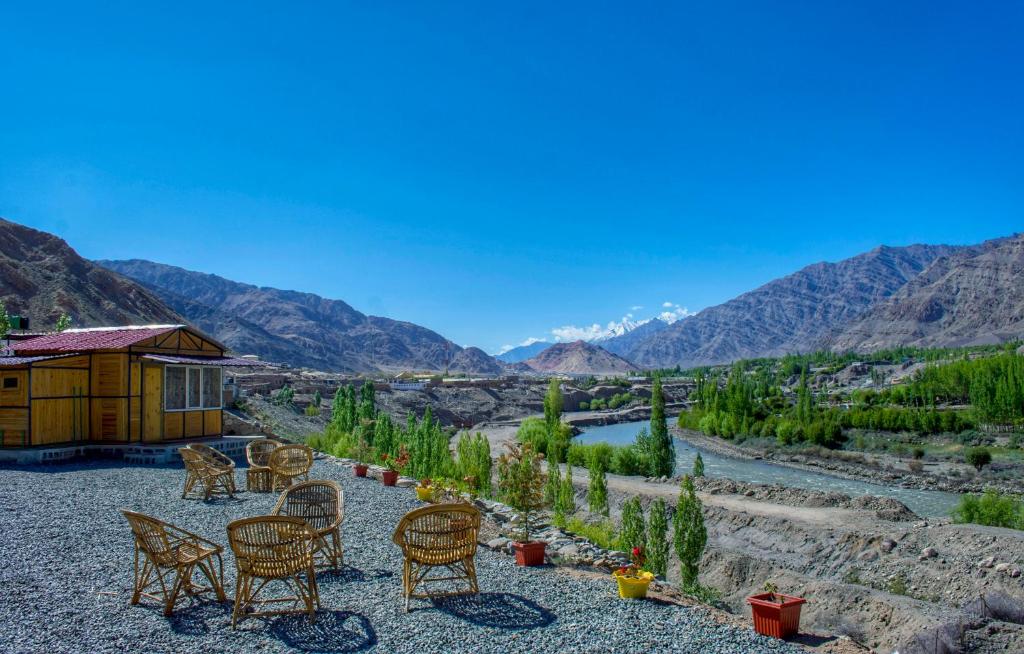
(145, 384)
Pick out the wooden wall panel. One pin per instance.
(17, 396)
(152, 403)
(173, 426)
(57, 421)
(59, 383)
(109, 420)
(109, 377)
(193, 423)
(67, 362)
(13, 425)
(212, 423)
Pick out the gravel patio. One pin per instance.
(65, 582)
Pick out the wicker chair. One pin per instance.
(274, 549)
(288, 463)
(199, 472)
(257, 453)
(438, 536)
(322, 505)
(167, 556)
(216, 459)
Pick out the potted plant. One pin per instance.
(633, 581)
(361, 453)
(424, 491)
(394, 464)
(521, 483)
(775, 614)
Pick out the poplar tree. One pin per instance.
(634, 529)
(663, 451)
(657, 540)
(597, 491)
(565, 504)
(698, 466)
(690, 536)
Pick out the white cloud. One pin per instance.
(667, 304)
(636, 307)
(568, 333)
(674, 312)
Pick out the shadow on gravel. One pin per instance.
(333, 631)
(348, 574)
(499, 610)
(196, 618)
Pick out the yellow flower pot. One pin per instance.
(424, 493)
(633, 587)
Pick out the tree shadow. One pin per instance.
(333, 631)
(498, 610)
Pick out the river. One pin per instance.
(922, 502)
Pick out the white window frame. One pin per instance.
(189, 371)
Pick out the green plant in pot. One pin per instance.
(395, 465)
(521, 484)
(362, 453)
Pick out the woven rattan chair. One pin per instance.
(438, 536)
(216, 459)
(322, 505)
(257, 452)
(167, 557)
(289, 463)
(273, 550)
(201, 475)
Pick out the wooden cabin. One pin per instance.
(147, 384)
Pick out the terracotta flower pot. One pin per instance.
(774, 618)
(531, 553)
(360, 469)
(389, 477)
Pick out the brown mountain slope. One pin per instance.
(970, 298)
(795, 313)
(301, 329)
(579, 358)
(42, 277)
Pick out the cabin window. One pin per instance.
(10, 383)
(211, 388)
(174, 388)
(189, 388)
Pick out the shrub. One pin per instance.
(634, 528)
(584, 406)
(698, 466)
(915, 466)
(657, 541)
(312, 410)
(565, 503)
(597, 491)
(474, 462)
(918, 453)
(979, 457)
(991, 508)
(553, 485)
(601, 533)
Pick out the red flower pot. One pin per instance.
(360, 469)
(531, 553)
(390, 477)
(774, 618)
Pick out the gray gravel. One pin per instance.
(66, 577)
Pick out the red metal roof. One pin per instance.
(84, 340)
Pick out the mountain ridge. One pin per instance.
(581, 358)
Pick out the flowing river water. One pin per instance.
(922, 502)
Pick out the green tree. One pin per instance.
(5, 321)
(663, 451)
(553, 485)
(657, 538)
(473, 454)
(689, 534)
(597, 491)
(553, 405)
(565, 504)
(317, 398)
(634, 529)
(367, 405)
(384, 440)
(979, 457)
(521, 484)
(698, 466)
(63, 322)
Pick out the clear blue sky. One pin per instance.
(496, 170)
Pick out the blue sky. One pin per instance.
(494, 172)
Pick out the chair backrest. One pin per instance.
(291, 460)
(272, 546)
(319, 502)
(194, 461)
(213, 456)
(257, 452)
(151, 536)
(439, 534)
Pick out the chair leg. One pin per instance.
(216, 581)
(180, 581)
(241, 598)
(406, 581)
(471, 574)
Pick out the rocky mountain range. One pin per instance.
(301, 329)
(523, 352)
(579, 357)
(970, 297)
(41, 277)
(796, 313)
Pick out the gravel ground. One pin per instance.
(66, 579)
